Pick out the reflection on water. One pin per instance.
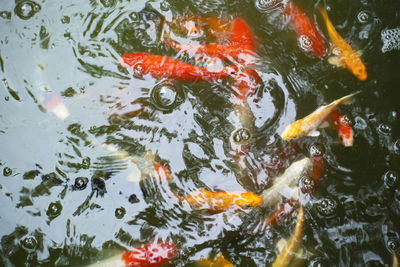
(85, 142)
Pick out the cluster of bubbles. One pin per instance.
(26, 9)
(390, 39)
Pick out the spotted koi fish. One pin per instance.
(308, 124)
(346, 57)
(165, 67)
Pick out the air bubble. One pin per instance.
(266, 4)
(138, 70)
(385, 129)
(307, 185)
(165, 6)
(305, 42)
(120, 213)
(241, 136)
(7, 171)
(86, 163)
(108, 3)
(134, 16)
(29, 243)
(393, 244)
(65, 20)
(316, 150)
(390, 39)
(133, 199)
(54, 209)
(80, 183)
(26, 9)
(5, 14)
(363, 17)
(165, 95)
(390, 178)
(327, 207)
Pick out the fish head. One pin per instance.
(246, 200)
(360, 71)
(292, 131)
(135, 60)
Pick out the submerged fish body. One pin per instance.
(240, 48)
(153, 254)
(311, 122)
(343, 128)
(219, 261)
(165, 67)
(288, 251)
(309, 37)
(284, 184)
(221, 201)
(346, 57)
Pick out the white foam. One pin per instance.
(390, 39)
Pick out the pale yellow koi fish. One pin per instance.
(346, 57)
(289, 250)
(286, 183)
(308, 124)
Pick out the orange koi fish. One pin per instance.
(395, 260)
(149, 255)
(346, 57)
(161, 172)
(241, 46)
(245, 83)
(165, 67)
(219, 261)
(309, 37)
(221, 201)
(345, 132)
(288, 251)
(308, 124)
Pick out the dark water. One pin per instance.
(67, 200)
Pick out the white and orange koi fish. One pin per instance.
(308, 124)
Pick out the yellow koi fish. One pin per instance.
(221, 201)
(289, 250)
(286, 183)
(219, 261)
(346, 57)
(395, 261)
(308, 124)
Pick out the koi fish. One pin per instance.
(395, 261)
(149, 255)
(221, 201)
(288, 251)
(345, 132)
(165, 67)
(286, 183)
(240, 47)
(54, 103)
(309, 37)
(280, 214)
(219, 261)
(245, 83)
(308, 124)
(346, 57)
(161, 172)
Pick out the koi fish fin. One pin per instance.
(359, 53)
(281, 244)
(336, 61)
(313, 133)
(324, 124)
(348, 99)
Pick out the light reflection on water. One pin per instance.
(71, 51)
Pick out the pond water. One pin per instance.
(79, 134)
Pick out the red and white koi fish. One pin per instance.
(166, 67)
(309, 37)
(308, 124)
(149, 255)
(345, 132)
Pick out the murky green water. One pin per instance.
(67, 200)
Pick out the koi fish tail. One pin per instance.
(348, 99)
